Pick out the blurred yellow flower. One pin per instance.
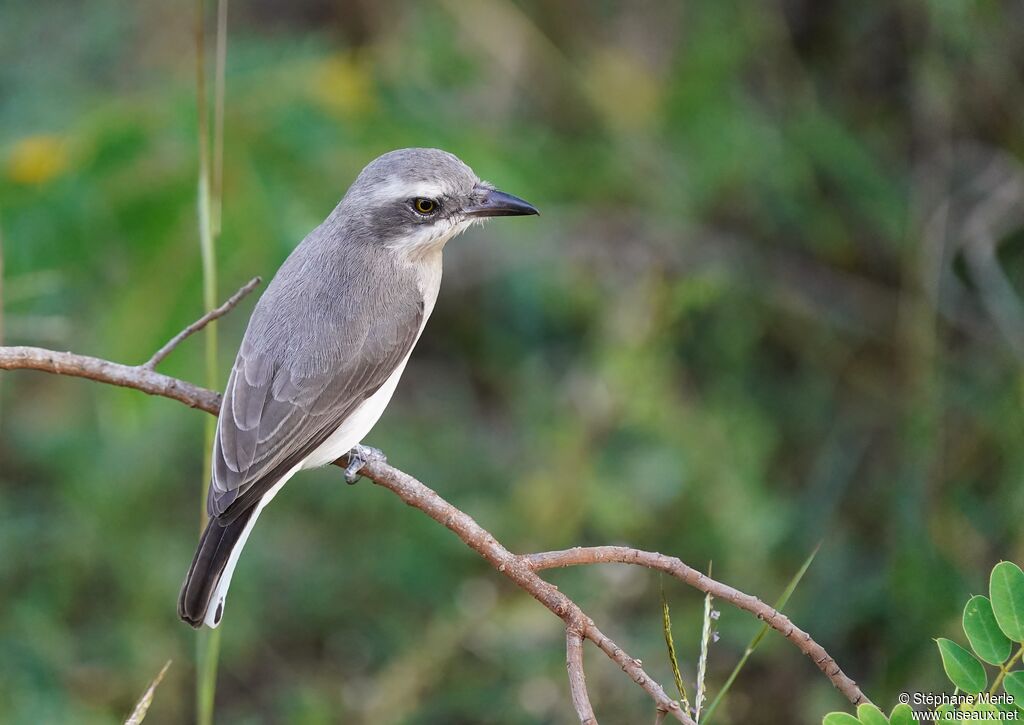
(37, 159)
(623, 89)
(343, 84)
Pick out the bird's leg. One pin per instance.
(358, 457)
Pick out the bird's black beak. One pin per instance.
(497, 203)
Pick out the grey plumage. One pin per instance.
(293, 384)
(328, 337)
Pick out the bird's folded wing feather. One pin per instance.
(291, 388)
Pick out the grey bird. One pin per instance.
(326, 344)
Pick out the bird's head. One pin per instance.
(418, 199)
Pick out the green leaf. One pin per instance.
(982, 707)
(1006, 588)
(902, 715)
(963, 669)
(840, 718)
(868, 714)
(983, 631)
(945, 712)
(1013, 683)
(1007, 707)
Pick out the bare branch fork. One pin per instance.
(520, 569)
(138, 377)
(202, 322)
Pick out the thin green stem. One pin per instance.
(217, 190)
(208, 644)
(206, 242)
(1004, 669)
(1, 286)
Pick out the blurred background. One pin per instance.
(774, 299)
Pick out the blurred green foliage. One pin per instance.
(744, 323)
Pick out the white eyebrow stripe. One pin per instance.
(395, 189)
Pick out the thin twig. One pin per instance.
(688, 575)
(199, 324)
(577, 677)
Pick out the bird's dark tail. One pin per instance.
(206, 584)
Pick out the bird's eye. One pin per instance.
(424, 206)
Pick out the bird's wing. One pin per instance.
(289, 390)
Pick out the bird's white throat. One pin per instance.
(430, 238)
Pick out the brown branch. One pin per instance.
(577, 677)
(521, 570)
(671, 565)
(199, 324)
(138, 377)
(103, 371)
(517, 568)
(413, 492)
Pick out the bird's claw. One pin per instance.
(358, 457)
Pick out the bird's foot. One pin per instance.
(358, 457)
